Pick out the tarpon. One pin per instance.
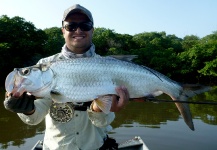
(87, 79)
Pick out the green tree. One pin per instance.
(186, 69)
(55, 41)
(210, 54)
(158, 51)
(20, 42)
(123, 45)
(189, 41)
(104, 39)
(200, 58)
(108, 42)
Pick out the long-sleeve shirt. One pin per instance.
(85, 131)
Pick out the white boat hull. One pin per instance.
(133, 144)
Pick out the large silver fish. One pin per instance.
(86, 79)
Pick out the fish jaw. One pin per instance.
(15, 84)
(10, 81)
(35, 82)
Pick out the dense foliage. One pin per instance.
(190, 59)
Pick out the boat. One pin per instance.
(135, 143)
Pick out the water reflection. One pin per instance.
(148, 115)
(160, 113)
(207, 113)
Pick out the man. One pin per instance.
(70, 126)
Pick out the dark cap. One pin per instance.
(77, 8)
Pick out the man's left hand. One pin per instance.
(120, 102)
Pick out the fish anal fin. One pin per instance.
(186, 114)
(184, 109)
(104, 103)
(189, 90)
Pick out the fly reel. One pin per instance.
(62, 112)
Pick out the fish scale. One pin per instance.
(101, 75)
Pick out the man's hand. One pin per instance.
(22, 104)
(120, 102)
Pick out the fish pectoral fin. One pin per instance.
(58, 97)
(104, 103)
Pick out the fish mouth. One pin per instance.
(14, 83)
(10, 81)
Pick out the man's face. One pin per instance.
(77, 41)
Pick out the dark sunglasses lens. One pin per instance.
(84, 26)
(87, 26)
(71, 26)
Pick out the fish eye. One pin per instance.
(25, 71)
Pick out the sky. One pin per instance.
(178, 17)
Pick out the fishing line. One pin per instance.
(176, 101)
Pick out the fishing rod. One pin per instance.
(176, 101)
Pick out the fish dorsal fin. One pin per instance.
(124, 57)
(104, 103)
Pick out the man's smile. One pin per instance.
(78, 37)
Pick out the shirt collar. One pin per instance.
(69, 54)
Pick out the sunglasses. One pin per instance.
(73, 26)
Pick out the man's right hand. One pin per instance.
(22, 104)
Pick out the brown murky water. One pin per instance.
(159, 124)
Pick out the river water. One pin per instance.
(158, 124)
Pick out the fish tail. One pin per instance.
(188, 92)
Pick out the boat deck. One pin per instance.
(133, 144)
